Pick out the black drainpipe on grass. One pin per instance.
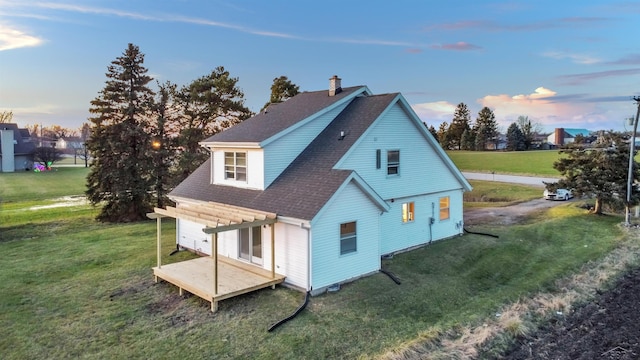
(295, 313)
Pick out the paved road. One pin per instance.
(525, 180)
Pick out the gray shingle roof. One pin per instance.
(278, 117)
(309, 181)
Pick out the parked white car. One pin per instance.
(559, 194)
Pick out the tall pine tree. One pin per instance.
(486, 129)
(207, 106)
(281, 90)
(121, 174)
(460, 123)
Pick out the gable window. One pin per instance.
(393, 162)
(444, 208)
(348, 243)
(407, 212)
(235, 166)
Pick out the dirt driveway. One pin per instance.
(507, 215)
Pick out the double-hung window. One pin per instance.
(444, 208)
(407, 212)
(235, 166)
(348, 243)
(393, 162)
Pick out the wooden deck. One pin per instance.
(234, 278)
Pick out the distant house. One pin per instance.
(69, 144)
(16, 148)
(564, 136)
(312, 192)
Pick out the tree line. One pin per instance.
(144, 142)
(483, 134)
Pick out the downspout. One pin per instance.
(432, 219)
(309, 253)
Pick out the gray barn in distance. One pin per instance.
(16, 148)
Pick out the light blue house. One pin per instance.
(322, 186)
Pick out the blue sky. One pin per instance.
(561, 63)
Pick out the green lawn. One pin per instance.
(73, 287)
(519, 162)
(488, 193)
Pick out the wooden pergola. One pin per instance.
(201, 277)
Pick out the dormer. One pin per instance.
(254, 153)
(237, 164)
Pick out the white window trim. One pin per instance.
(235, 166)
(392, 164)
(353, 235)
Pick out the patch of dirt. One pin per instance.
(606, 328)
(506, 215)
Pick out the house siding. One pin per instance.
(255, 168)
(280, 153)
(189, 235)
(421, 170)
(328, 266)
(291, 254)
(396, 235)
(423, 178)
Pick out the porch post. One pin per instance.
(273, 251)
(215, 263)
(159, 235)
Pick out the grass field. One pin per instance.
(519, 162)
(73, 287)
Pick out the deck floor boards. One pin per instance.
(234, 277)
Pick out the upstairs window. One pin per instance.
(348, 243)
(407, 212)
(393, 162)
(444, 208)
(235, 166)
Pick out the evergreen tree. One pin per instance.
(597, 172)
(460, 123)
(120, 173)
(486, 129)
(281, 90)
(468, 140)
(207, 106)
(481, 138)
(515, 139)
(433, 131)
(163, 143)
(443, 135)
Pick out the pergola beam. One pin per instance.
(244, 225)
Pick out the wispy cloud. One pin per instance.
(579, 79)
(11, 38)
(459, 46)
(631, 59)
(484, 25)
(574, 57)
(83, 9)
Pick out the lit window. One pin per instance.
(393, 162)
(407, 212)
(235, 166)
(444, 208)
(348, 242)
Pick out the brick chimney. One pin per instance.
(334, 85)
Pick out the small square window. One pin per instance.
(407, 212)
(393, 162)
(348, 242)
(235, 166)
(444, 208)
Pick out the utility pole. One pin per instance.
(632, 148)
